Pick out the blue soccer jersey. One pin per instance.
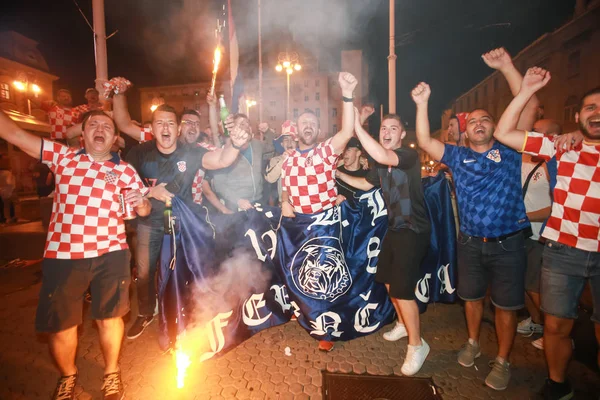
(488, 189)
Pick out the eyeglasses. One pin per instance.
(190, 123)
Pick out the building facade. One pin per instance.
(309, 89)
(571, 55)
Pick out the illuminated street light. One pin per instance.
(156, 102)
(412, 145)
(289, 62)
(20, 86)
(153, 107)
(431, 162)
(35, 89)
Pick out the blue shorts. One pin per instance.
(565, 271)
(500, 265)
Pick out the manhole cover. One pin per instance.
(338, 386)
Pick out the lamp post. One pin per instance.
(289, 63)
(22, 85)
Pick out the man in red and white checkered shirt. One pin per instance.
(86, 244)
(61, 115)
(308, 174)
(572, 251)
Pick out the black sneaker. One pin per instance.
(139, 326)
(556, 391)
(65, 388)
(112, 387)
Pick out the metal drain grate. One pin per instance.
(337, 386)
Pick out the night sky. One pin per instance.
(438, 41)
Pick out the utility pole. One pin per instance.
(100, 42)
(392, 62)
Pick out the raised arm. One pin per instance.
(213, 119)
(347, 82)
(372, 146)
(24, 140)
(123, 119)
(500, 60)
(507, 130)
(225, 156)
(420, 95)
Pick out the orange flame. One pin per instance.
(217, 60)
(182, 362)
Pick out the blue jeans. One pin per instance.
(565, 270)
(149, 243)
(499, 264)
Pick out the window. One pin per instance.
(334, 112)
(4, 91)
(318, 112)
(334, 130)
(272, 103)
(295, 113)
(570, 109)
(306, 98)
(306, 83)
(317, 82)
(317, 96)
(272, 118)
(573, 64)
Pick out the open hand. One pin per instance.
(287, 210)
(420, 94)
(244, 204)
(497, 59)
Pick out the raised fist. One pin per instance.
(497, 59)
(420, 94)
(347, 82)
(365, 112)
(535, 78)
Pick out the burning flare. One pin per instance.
(182, 362)
(216, 61)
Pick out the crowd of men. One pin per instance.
(529, 226)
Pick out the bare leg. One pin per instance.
(63, 347)
(532, 302)
(557, 346)
(506, 330)
(111, 336)
(474, 314)
(410, 316)
(396, 306)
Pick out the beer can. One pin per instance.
(126, 209)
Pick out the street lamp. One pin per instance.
(288, 62)
(156, 101)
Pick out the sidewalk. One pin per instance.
(259, 369)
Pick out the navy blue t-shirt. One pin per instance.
(488, 189)
(177, 170)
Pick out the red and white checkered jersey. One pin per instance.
(309, 178)
(86, 217)
(199, 177)
(60, 118)
(575, 218)
(145, 134)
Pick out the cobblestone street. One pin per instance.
(258, 369)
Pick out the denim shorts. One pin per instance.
(565, 271)
(500, 265)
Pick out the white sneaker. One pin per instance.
(538, 344)
(397, 333)
(415, 357)
(528, 327)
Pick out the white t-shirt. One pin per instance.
(538, 191)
